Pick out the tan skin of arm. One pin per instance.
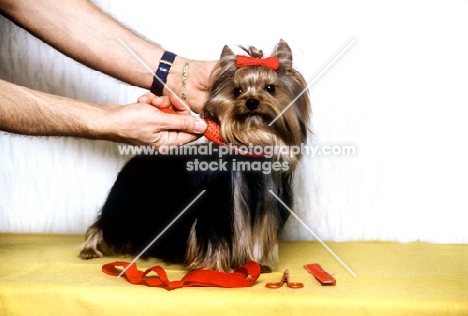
(96, 34)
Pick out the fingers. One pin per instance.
(160, 102)
(170, 101)
(146, 98)
(178, 104)
(174, 138)
(184, 123)
(152, 99)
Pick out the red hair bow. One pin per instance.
(246, 61)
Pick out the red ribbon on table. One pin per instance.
(206, 278)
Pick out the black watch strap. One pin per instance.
(164, 68)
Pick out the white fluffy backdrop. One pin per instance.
(399, 94)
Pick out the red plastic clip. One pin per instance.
(321, 275)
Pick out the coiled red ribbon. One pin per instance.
(244, 276)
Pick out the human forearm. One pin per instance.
(79, 29)
(29, 112)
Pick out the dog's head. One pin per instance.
(263, 102)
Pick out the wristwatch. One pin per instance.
(164, 68)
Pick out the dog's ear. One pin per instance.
(226, 51)
(284, 54)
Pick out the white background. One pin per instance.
(399, 95)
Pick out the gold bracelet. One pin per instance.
(184, 80)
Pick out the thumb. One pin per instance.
(178, 104)
(185, 123)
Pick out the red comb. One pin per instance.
(213, 133)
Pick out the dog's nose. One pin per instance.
(252, 104)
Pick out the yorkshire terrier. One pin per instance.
(237, 219)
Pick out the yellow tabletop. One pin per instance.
(42, 275)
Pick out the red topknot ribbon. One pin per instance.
(246, 61)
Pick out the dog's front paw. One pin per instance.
(89, 253)
(94, 244)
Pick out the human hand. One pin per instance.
(165, 102)
(144, 124)
(198, 81)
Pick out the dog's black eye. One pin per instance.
(270, 88)
(237, 92)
